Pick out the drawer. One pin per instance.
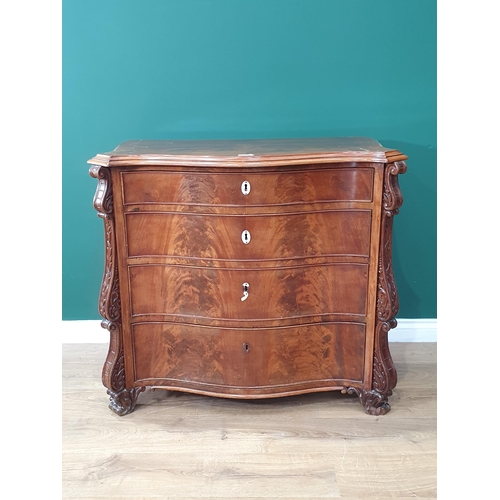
(213, 236)
(260, 358)
(187, 293)
(266, 188)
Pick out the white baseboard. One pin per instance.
(91, 332)
(414, 330)
(83, 332)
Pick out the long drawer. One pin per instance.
(189, 292)
(193, 356)
(215, 236)
(263, 188)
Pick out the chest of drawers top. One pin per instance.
(246, 152)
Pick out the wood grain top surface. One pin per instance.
(256, 152)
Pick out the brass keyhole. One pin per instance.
(246, 347)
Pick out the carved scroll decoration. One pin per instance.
(122, 400)
(373, 402)
(387, 295)
(384, 376)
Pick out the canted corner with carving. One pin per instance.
(122, 400)
(384, 375)
(109, 297)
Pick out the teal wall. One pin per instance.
(190, 69)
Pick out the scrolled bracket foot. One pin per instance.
(124, 401)
(373, 402)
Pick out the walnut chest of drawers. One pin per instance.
(249, 268)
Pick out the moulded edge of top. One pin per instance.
(127, 155)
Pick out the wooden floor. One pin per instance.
(181, 446)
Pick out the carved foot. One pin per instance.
(373, 402)
(123, 402)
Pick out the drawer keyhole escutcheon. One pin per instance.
(245, 187)
(245, 237)
(245, 286)
(246, 347)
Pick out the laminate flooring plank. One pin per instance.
(178, 446)
(229, 470)
(98, 435)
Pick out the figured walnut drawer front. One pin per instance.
(212, 236)
(273, 358)
(282, 292)
(198, 188)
